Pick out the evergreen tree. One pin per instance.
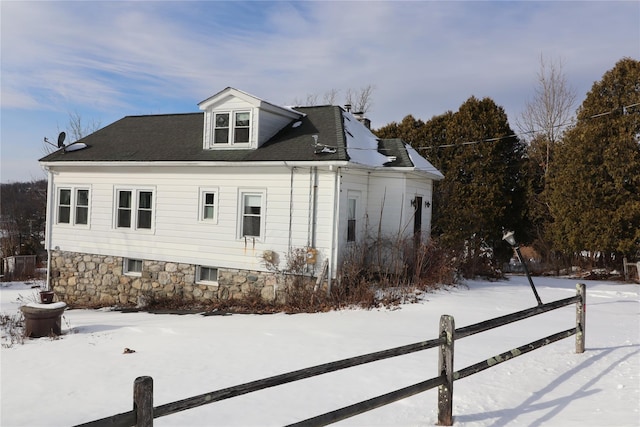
(481, 159)
(483, 190)
(594, 182)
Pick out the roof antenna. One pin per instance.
(321, 148)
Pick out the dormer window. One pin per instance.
(232, 127)
(235, 120)
(241, 131)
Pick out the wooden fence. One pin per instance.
(144, 412)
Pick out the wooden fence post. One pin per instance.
(581, 314)
(445, 368)
(143, 401)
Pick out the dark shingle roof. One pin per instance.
(395, 148)
(178, 137)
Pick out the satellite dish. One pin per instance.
(61, 138)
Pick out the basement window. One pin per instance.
(207, 275)
(132, 267)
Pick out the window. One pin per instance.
(82, 207)
(221, 129)
(73, 206)
(134, 209)
(241, 133)
(64, 206)
(232, 128)
(251, 215)
(207, 274)
(144, 209)
(351, 220)
(353, 212)
(124, 208)
(208, 205)
(133, 267)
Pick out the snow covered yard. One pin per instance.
(85, 375)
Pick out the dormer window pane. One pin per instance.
(242, 127)
(221, 131)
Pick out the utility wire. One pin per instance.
(624, 111)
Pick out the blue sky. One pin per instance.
(109, 59)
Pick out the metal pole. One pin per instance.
(526, 271)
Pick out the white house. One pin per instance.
(193, 204)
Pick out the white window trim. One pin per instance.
(216, 202)
(263, 211)
(206, 282)
(135, 196)
(357, 196)
(211, 144)
(73, 204)
(125, 267)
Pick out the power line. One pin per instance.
(624, 111)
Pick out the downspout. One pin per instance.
(290, 207)
(48, 225)
(333, 265)
(314, 220)
(310, 207)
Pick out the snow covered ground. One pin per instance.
(85, 375)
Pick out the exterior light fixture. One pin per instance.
(510, 238)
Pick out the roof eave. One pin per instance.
(269, 163)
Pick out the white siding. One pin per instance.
(388, 203)
(386, 197)
(269, 124)
(424, 188)
(179, 236)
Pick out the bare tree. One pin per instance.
(331, 97)
(550, 110)
(310, 100)
(22, 217)
(76, 130)
(360, 100)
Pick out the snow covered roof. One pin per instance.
(362, 145)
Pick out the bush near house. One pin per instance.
(379, 272)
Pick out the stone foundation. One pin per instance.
(90, 280)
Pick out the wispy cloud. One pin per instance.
(125, 57)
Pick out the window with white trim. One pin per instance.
(64, 206)
(207, 275)
(208, 205)
(73, 206)
(132, 267)
(352, 212)
(252, 214)
(231, 127)
(134, 209)
(82, 206)
(221, 128)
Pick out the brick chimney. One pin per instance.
(362, 119)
